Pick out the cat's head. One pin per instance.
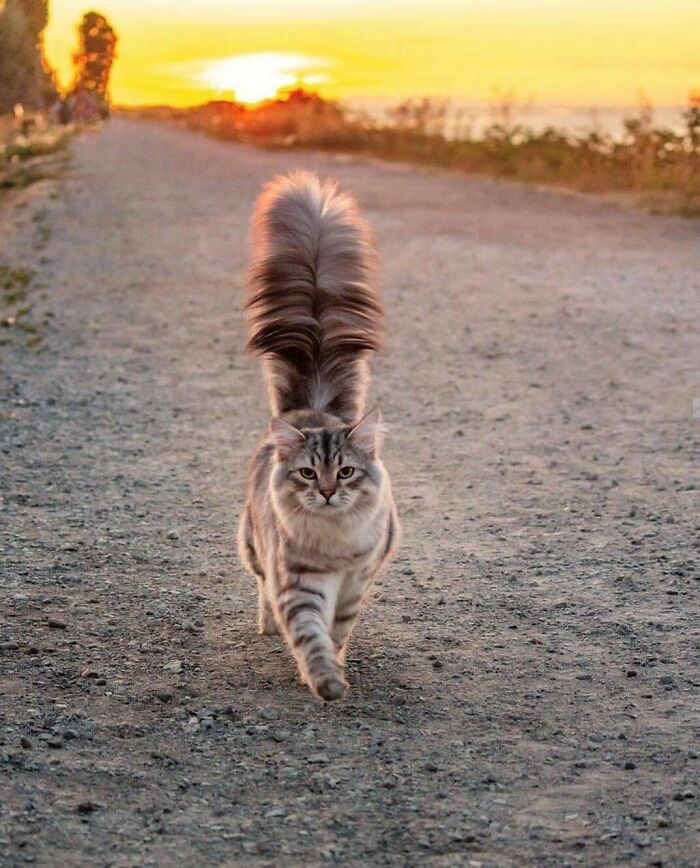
(326, 470)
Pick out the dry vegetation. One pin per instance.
(659, 166)
(30, 150)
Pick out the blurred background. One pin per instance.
(599, 96)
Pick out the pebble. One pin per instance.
(165, 694)
(89, 673)
(55, 741)
(86, 807)
(174, 666)
(173, 534)
(269, 714)
(318, 759)
(25, 743)
(56, 623)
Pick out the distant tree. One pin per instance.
(94, 59)
(24, 76)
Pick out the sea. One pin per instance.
(464, 119)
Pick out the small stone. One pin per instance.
(165, 694)
(173, 534)
(629, 766)
(280, 735)
(678, 797)
(269, 714)
(318, 759)
(174, 666)
(89, 673)
(86, 807)
(631, 673)
(430, 767)
(667, 679)
(25, 743)
(55, 741)
(56, 623)
(206, 712)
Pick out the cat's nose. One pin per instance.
(327, 493)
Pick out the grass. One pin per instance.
(28, 151)
(16, 310)
(659, 167)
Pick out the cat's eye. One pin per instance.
(307, 473)
(345, 472)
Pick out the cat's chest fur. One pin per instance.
(342, 543)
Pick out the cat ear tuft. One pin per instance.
(286, 438)
(367, 434)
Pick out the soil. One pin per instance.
(524, 685)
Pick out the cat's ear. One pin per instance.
(286, 438)
(367, 434)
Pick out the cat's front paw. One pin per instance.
(267, 626)
(331, 687)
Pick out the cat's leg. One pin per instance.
(246, 548)
(305, 606)
(267, 625)
(352, 593)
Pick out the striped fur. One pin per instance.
(320, 519)
(313, 312)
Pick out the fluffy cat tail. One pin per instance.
(314, 314)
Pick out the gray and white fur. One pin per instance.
(319, 520)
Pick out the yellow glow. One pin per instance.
(594, 52)
(251, 78)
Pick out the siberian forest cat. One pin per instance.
(319, 519)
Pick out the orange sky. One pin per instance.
(599, 52)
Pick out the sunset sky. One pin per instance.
(592, 52)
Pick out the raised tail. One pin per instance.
(314, 313)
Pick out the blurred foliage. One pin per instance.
(95, 56)
(30, 150)
(25, 78)
(646, 160)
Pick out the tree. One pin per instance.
(24, 77)
(93, 62)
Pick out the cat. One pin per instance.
(319, 520)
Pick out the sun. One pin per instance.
(253, 78)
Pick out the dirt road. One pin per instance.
(524, 686)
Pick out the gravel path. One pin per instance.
(524, 686)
